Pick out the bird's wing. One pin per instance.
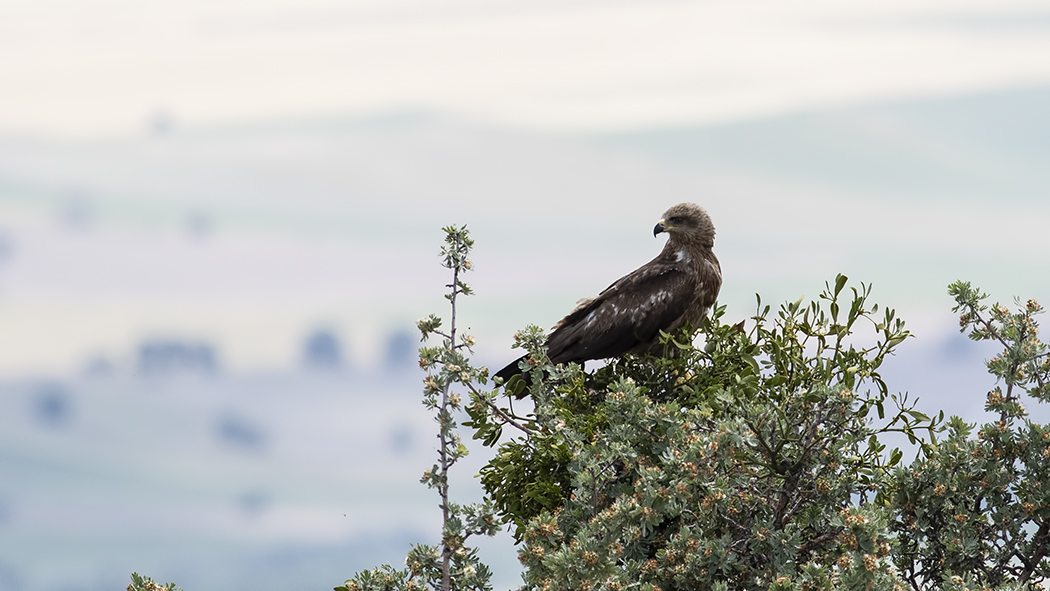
(709, 283)
(629, 312)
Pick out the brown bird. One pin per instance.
(676, 287)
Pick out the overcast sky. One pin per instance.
(76, 68)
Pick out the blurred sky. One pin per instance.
(101, 68)
(245, 172)
(230, 188)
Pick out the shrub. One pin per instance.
(754, 460)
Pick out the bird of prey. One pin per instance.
(676, 287)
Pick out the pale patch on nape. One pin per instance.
(683, 256)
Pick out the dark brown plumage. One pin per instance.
(676, 287)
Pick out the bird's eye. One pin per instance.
(676, 219)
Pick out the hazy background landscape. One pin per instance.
(220, 221)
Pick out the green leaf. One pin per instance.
(895, 457)
(840, 282)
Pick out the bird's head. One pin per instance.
(687, 223)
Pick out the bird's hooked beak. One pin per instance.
(660, 227)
